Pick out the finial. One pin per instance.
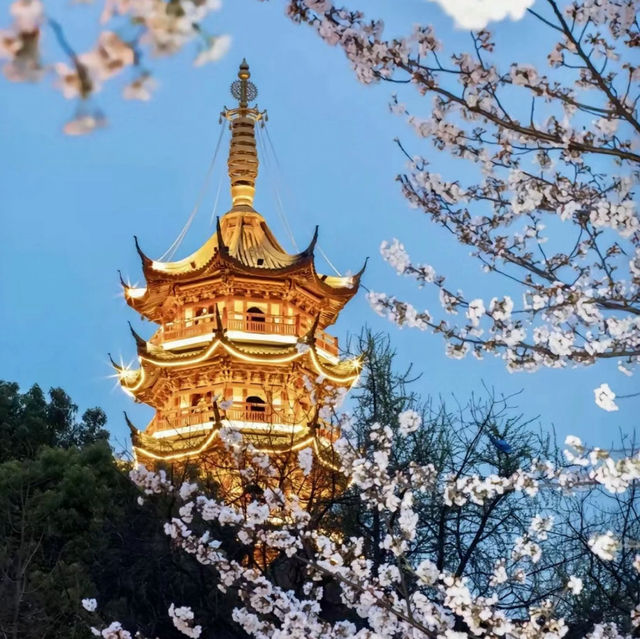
(243, 90)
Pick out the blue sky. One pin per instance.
(70, 207)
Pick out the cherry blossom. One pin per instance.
(160, 27)
(379, 593)
(409, 421)
(217, 47)
(574, 585)
(476, 14)
(89, 604)
(182, 618)
(548, 202)
(604, 546)
(305, 460)
(605, 397)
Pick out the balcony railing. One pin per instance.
(187, 328)
(239, 411)
(182, 417)
(327, 342)
(260, 323)
(261, 413)
(245, 322)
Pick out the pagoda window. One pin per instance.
(255, 319)
(256, 404)
(199, 400)
(202, 315)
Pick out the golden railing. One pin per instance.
(260, 323)
(238, 411)
(245, 322)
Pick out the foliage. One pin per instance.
(28, 422)
(456, 523)
(70, 526)
(547, 196)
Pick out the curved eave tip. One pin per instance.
(132, 428)
(222, 247)
(146, 261)
(310, 337)
(312, 245)
(358, 275)
(140, 341)
(114, 364)
(130, 293)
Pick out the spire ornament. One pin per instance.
(243, 90)
(243, 157)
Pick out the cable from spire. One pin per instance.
(279, 204)
(215, 204)
(275, 188)
(170, 252)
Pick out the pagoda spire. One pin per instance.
(243, 157)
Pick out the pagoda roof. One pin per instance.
(154, 358)
(242, 245)
(242, 239)
(182, 447)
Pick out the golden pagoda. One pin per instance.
(241, 342)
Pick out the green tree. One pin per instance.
(28, 421)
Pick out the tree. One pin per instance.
(28, 422)
(53, 513)
(405, 593)
(454, 525)
(472, 542)
(127, 32)
(454, 442)
(70, 526)
(547, 200)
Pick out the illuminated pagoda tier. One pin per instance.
(241, 340)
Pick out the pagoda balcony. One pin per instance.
(242, 415)
(276, 328)
(259, 323)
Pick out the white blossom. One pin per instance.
(409, 421)
(217, 48)
(90, 605)
(305, 460)
(182, 618)
(604, 546)
(605, 397)
(574, 585)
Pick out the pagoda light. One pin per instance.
(135, 292)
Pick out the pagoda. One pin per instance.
(241, 345)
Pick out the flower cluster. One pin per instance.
(182, 618)
(378, 592)
(162, 27)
